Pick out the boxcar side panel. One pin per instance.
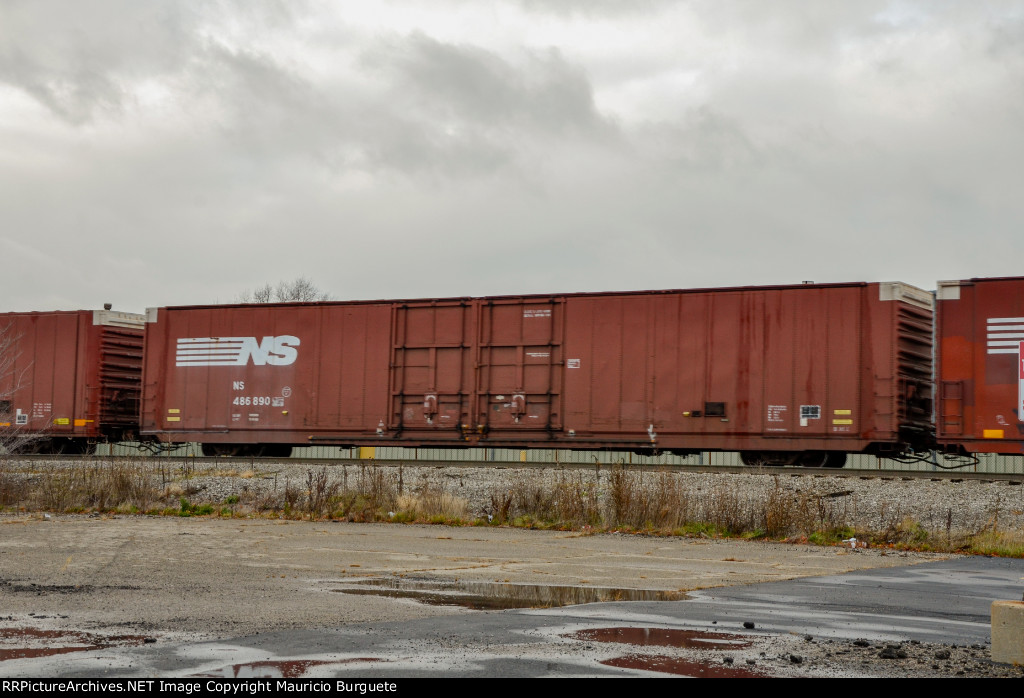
(744, 369)
(71, 374)
(753, 369)
(980, 367)
(266, 374)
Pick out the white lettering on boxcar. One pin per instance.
(1004, 334)
(1020, 388)
(237, 351)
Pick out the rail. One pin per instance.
(267, 464)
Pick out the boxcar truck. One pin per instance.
(798, 374)
(980, 371)
(69, 379)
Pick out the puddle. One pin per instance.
(47, 643)
(483, 596)
(290, 669)
(683, 667)
(663, 637)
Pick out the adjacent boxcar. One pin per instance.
(69, 379)
(980, 365)
(785, 374)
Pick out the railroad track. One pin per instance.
(236, 463)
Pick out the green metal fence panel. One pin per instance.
(986, 463)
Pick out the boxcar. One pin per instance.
(786, 374)
(69, 378)
(980, 365)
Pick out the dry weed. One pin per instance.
(97, 485)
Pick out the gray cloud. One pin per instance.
(468, 110)
(174, 153)
(77, 59)
(594, 8)
(85, 60)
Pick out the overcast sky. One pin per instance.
(168, 153)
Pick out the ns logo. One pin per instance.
(237, 351)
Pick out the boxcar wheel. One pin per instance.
(77, 447)
(33, 445)
(759, 459)
(836, 459)
(57, 447)
(214, 450)
(813, 459)
(276, 451)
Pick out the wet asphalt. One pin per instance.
(945, 602)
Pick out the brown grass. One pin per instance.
(618, 500)
(89, 485)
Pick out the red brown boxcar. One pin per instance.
(980, 365)
(69, 378)
(786, 374)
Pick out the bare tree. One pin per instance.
(300, 290)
